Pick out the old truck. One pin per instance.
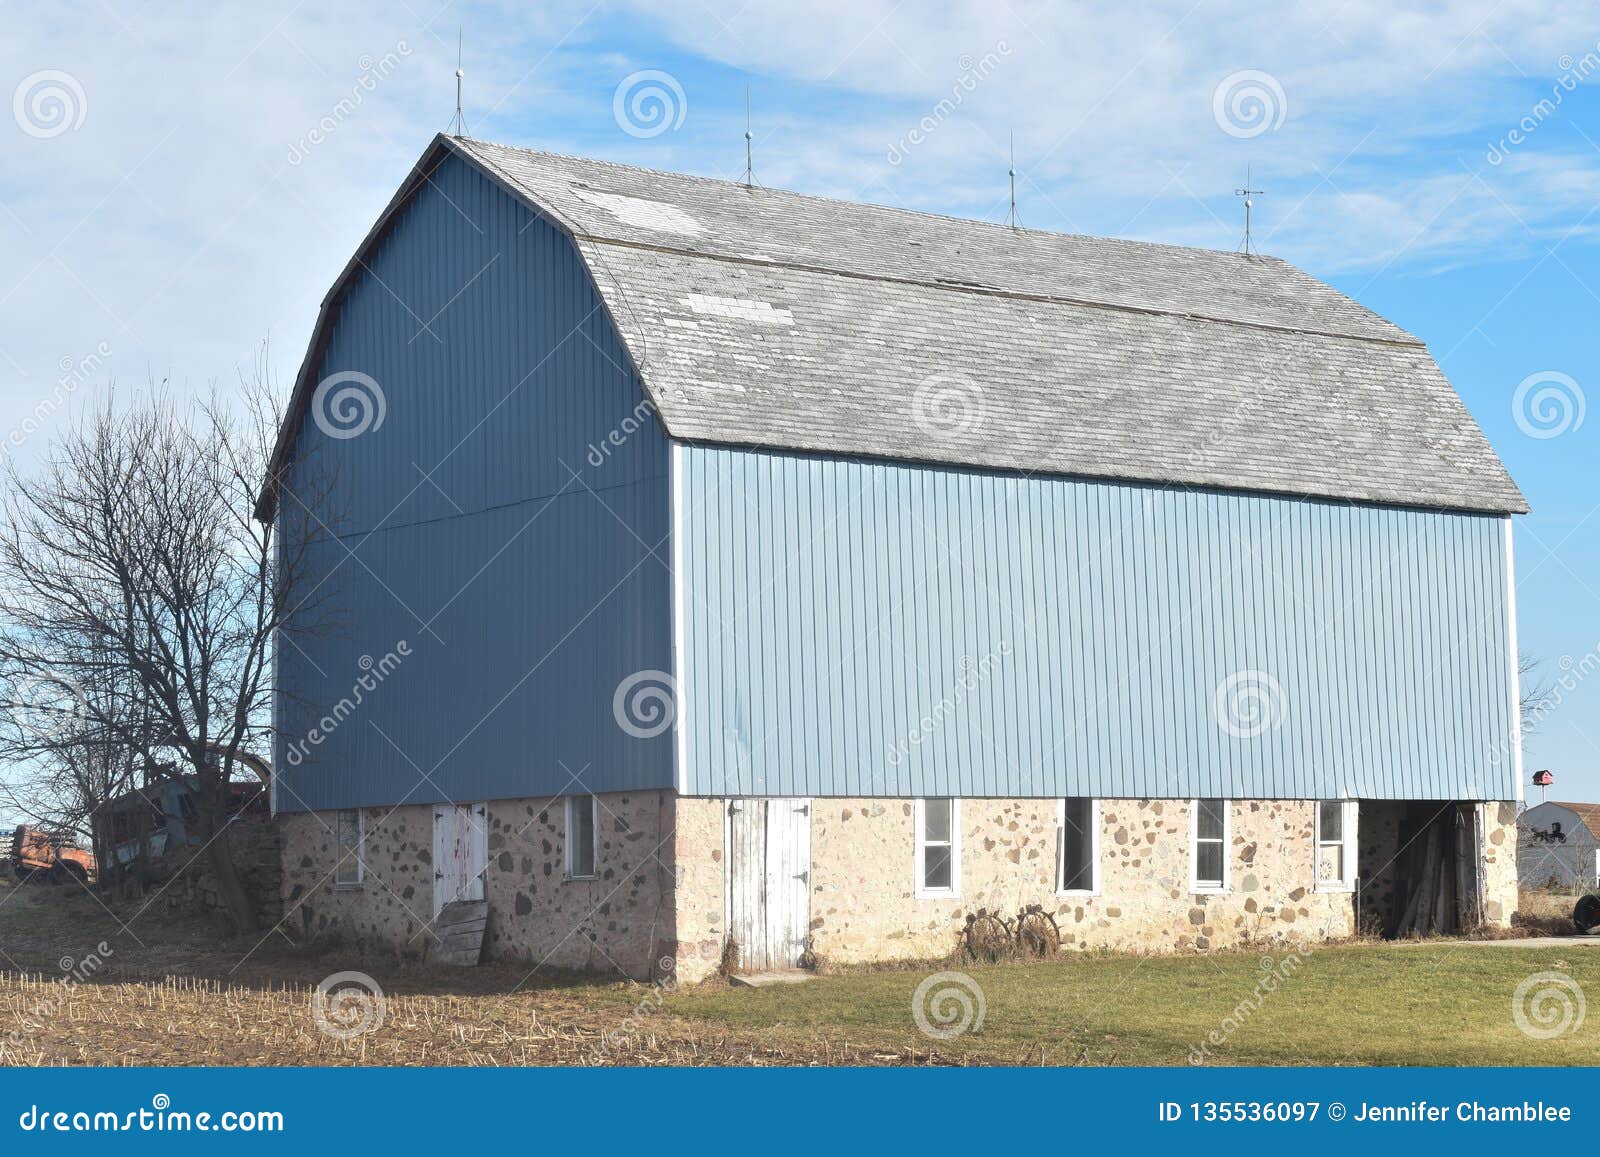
(36, 854)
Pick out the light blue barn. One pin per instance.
(722, 576)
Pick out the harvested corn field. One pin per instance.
(177, 996)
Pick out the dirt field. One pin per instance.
(163, 993)
(175, 996)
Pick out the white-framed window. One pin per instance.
(1336, 845)
(1210, 827)
(580, 837)
(1078, 846)
(350, 828)
(938, 848)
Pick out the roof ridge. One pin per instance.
(742, 187)
(1407, 341)
(1209, 262)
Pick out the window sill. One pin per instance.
(937, 894)
(570, 877)
(1077, 893)
(1203, 890)
(348, 887)
(1334, 889)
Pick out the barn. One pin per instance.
(730, 577)
(1558, 845)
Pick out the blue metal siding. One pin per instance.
(475, 525)
(1047, 637)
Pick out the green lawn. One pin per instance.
(1436, 1003)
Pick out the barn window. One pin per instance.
(1078, 846)
(580, 836)
(350, 829)
(1336, 845)
(938, 847)
(1208, 851)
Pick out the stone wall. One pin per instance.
(698, 853)
(619, 922)
(864, 905)
(1500, 862)
(394, 902)
(614, 923)
(659, 897)
(183, 880)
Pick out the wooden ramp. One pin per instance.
(460, 930)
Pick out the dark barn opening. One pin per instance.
(1421, 866)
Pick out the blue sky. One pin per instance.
(177, 188)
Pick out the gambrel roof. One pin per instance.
(758, 317)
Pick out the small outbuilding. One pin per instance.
(1558, 845)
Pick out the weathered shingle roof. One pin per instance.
(766, 318)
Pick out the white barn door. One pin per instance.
(769, 881)
(460, 852)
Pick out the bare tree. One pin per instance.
(75, 769)
(132, 558)
(66, 761)
(1538, 694)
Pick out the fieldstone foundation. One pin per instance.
(619, 922)
(864, 905)
(659, 902)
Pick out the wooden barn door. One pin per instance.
(769, 882)
(460, 852)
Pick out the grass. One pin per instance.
(1438, 1002)
(182, 997)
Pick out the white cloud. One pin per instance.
(1388, 113)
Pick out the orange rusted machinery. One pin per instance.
(35, 854)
